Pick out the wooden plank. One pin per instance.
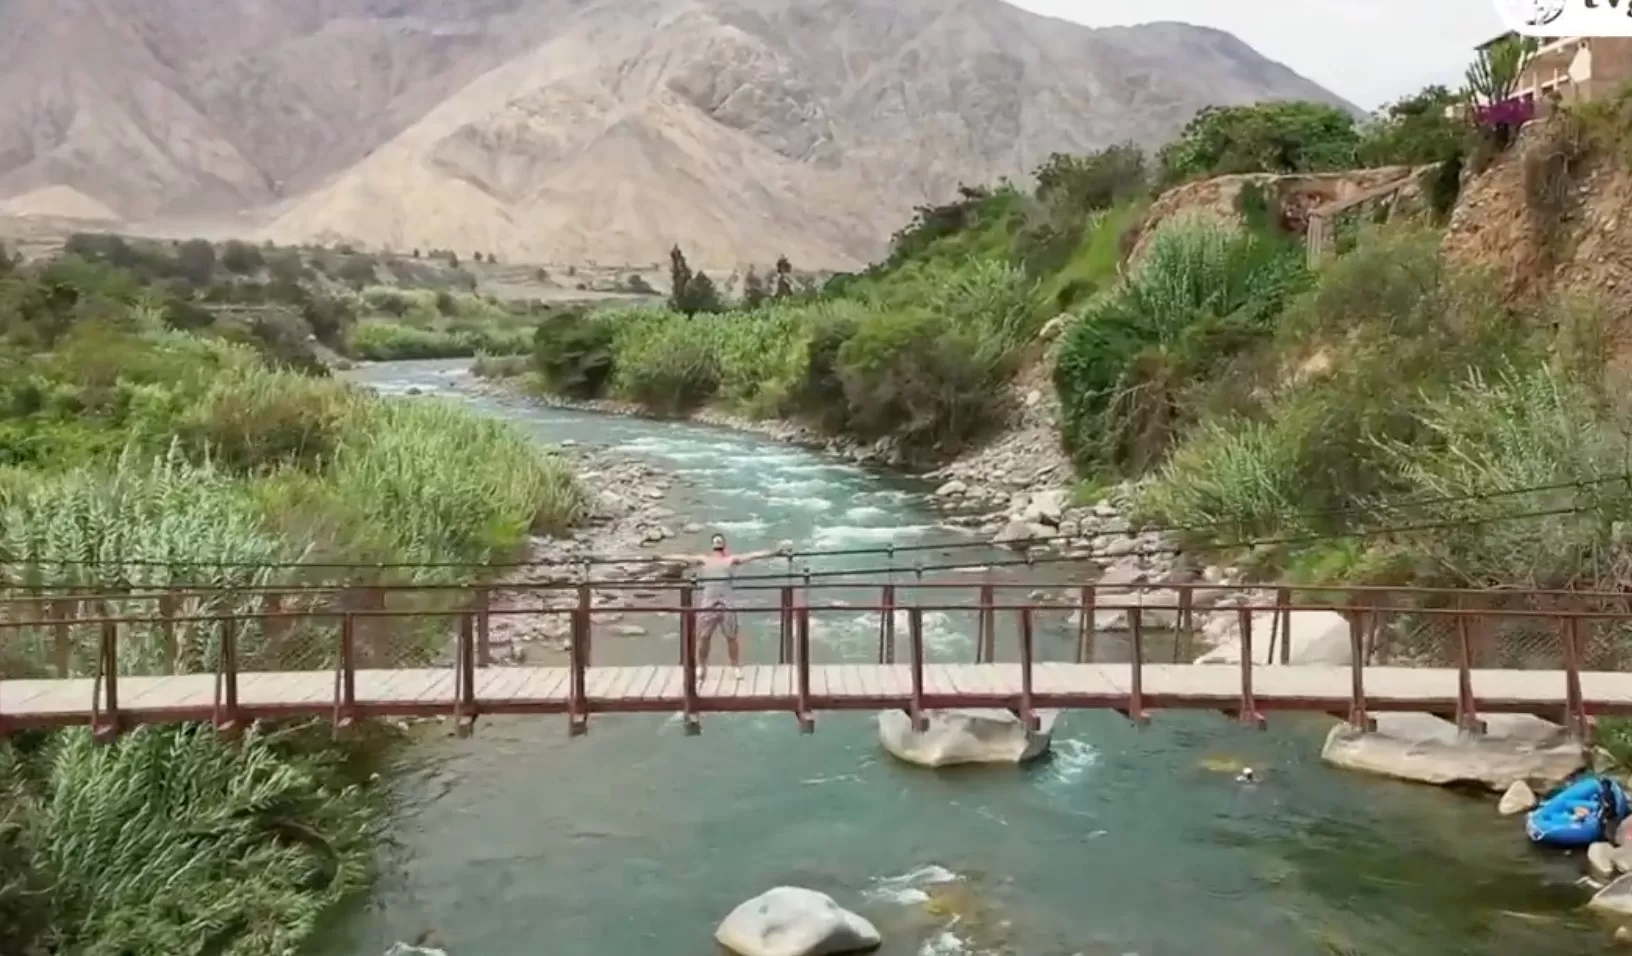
(1199, 686)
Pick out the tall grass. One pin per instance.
(1200, 294)
(174, 840)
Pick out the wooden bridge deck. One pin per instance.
(633, 689)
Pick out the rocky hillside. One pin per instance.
(577, 130)
(1550, 214)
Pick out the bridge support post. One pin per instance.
(106, 726)
(464, 677)
(1135, 711)
(1358, 718)
(577, 703)
(1467, 710)
(1028, 716)
(688, 661)
(1248, 714)
(345, 676)
(1576, 719)
(226, 691)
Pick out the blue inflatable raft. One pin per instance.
(1579, 814)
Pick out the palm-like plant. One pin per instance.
(1494, 73)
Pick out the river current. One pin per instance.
(636, 840)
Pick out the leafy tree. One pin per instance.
(1098, 180)
(241, 258)
(1282, 137)
(7, 263)
(1415, 130)
(196, 260)
(784, 278)
(701, 296)
(753, 289)
(679, 277)
(1494, 73)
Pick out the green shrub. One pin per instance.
(1202, 293)
(665, 365)
(574, 355)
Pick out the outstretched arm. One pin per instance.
(682, 558)
(785, 550)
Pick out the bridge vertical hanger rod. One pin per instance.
(347, 670)
(807, 722)
(1283, 612)
(915, 634)
(785, 650)
(886, 616)
(688, 659)
(1085, 626)
(1248, 714)
(1358, 718)
(986, 631)
(484, 616)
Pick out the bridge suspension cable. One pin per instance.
(1373, 509)
(1040, 540)
(762, 581)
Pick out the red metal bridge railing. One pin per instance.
(232, 632)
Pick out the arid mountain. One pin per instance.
(577, 130)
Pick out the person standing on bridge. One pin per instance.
(716, 570)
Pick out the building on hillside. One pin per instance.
(1572, 69)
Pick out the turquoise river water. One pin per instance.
(636, 840)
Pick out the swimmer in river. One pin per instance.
(1246, 776)
(716, 570)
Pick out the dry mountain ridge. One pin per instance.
(581, 130)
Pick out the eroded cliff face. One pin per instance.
(1544, 220)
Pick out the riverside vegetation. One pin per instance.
(124, 439)
(356, 304)
(1233, 390)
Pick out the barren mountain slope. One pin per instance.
(748, 128)
(573, 130)
(180, 106)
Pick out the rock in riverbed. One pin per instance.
(792, 921)
(965, 736)
(1519, 798)
(1428, 749)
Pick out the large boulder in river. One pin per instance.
(1429, 749)
(792, 921)
(965, 736)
